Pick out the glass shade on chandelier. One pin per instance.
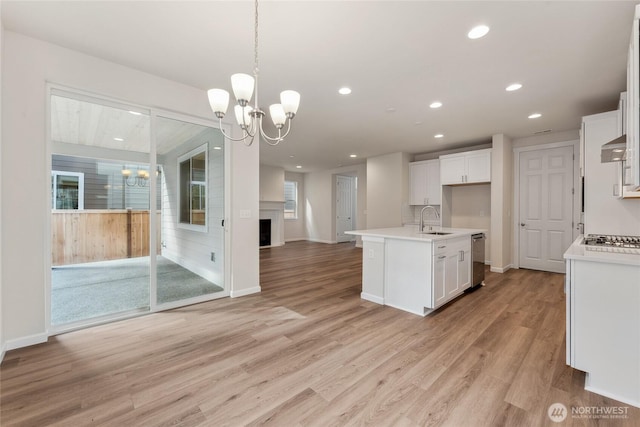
(250, 118)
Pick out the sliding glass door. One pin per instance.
(192, 258)
(136, 220)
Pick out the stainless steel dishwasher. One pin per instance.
(477, 260)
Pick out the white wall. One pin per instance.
(271, 183)
(319, 202)
(294, 229)
(1, 145)
(546, 138)
(501, 203)
(28, 64)
(605, 213)
(387, 189)
(471, 208)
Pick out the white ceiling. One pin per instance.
(570, 57)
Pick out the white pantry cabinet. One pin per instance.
(466, 168)
(424, 182)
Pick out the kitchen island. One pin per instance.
(413, 271)
(603, 320)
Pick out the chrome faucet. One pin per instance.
(422, 217)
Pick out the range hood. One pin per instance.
(614, 151)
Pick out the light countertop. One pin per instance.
(577, 251)
(411, 233)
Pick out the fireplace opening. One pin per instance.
(265, 232)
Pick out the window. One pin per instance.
(67, 190)
(290, 200)
(192, 173)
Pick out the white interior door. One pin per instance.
(344, 207)
(546, 208)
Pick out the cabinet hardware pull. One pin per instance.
(442, 247)
(442, 256)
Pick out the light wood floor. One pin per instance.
(309, 351)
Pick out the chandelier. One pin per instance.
(250, 118)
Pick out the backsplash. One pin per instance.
(411, 215)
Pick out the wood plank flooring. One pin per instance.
(308, 351)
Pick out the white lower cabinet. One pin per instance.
(452, 269)
(603, 327)
(421, 276)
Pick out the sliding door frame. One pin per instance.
(154, 113)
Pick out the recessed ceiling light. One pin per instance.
(353, 155)
(135, 113)
(618, 150)
(478, 31)
(435, 104)
(344, 91)
(535, 115)
(217, 148)
(391, 110)
(291, 156)
(513, 86)
(615, 159)
(418, 123)
(438, 135)
(298, 167)
(118, 139)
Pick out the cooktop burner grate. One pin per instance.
(612, 243)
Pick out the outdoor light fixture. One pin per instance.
(139, 180)
(250, 118)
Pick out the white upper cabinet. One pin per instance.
(466, 168)
(424, 182)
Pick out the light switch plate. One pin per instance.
(245, 213)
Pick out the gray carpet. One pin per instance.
(84, 291)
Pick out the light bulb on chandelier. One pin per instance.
(250, 118)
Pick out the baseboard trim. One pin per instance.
(372, 298)
(243, 292)
(25, 341)
(501, 269)
(613, 396)
(295, 239)
(1, 353)
(329, 242)
(272, 246)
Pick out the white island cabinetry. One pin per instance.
(412, 271)
(452, 275)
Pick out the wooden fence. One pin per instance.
(99, 235)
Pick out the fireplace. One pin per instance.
(265, 232)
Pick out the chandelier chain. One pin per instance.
(255, 41)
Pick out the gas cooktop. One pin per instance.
(612, 243)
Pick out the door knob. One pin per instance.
(522, 224)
